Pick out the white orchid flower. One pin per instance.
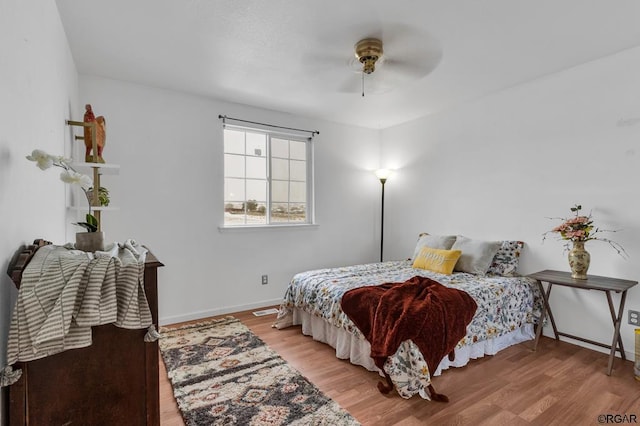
(73, 177)
(42, 159)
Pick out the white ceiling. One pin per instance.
(297, 55)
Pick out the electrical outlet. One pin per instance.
(265, 279)
(634, 317)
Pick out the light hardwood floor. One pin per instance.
(559, 384)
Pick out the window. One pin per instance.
(267, 178)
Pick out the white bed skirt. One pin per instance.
(357, 350)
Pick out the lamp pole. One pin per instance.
(383, 175)
(382, 181)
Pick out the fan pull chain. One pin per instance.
(363, 84)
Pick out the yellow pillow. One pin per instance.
(436, 260)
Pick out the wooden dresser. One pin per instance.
(112, 382)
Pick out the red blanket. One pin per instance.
(433, 316)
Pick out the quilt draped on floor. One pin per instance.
(64, 292)
(424, 311)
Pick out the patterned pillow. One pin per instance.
(441, 242)
(505, 262)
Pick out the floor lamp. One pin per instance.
(383, 175)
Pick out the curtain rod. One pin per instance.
(224, 118)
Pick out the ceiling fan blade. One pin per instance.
(352, 83)
(410, 51)
(379, 86)
(404, 39)
(413, 68)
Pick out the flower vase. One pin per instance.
(579, 260)
(90, 241)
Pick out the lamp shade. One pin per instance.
(383, 174)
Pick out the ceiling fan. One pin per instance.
(402, 59)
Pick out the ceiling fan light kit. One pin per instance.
(368, 51)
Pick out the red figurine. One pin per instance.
(101, 135)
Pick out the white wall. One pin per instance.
(170, 190)
(499, 167)
(38, 83)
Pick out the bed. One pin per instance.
(508, 305)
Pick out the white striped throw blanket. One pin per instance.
(64, 292)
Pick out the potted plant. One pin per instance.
(93, 239)
(577, 230)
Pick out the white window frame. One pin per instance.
(309, 160)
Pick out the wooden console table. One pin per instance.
(112, 382)
(593, 282)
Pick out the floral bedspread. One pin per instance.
(504, 305)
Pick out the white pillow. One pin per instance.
(476, 254)
(440, 242)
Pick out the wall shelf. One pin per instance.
(105, 168)
(95, 169)
(94, 208)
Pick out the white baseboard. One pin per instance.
(215, 312)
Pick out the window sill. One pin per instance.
(252, 228)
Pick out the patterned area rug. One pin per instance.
(223, 374)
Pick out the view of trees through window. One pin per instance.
(265, 178)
